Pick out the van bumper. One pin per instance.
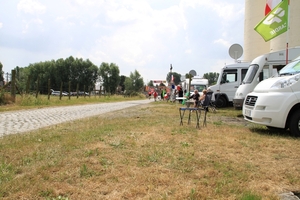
(238, 103)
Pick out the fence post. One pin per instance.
(60, 94)
(77, 90)
(49, 85)
(28, 84)
(69, 90)
(84, 90)
(37, 87)
(13, 85)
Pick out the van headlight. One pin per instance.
(285, 82)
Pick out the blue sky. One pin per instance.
(142, 35)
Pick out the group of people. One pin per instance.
(160, 94)
(198, 99)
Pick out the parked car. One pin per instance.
(81, 93)
(57, 93)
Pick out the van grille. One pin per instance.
(250, 100)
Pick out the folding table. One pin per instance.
(197, 111)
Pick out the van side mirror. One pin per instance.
(261, 76)
(223, 80)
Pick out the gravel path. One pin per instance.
(28, 120)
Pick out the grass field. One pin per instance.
(30, 101)
(143, 153)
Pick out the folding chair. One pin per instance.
(211, 104)
(205, 105)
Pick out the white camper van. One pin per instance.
(275, 102)
(261, 68)
(197, 83)
(230, 77)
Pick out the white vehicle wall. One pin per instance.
(230, 77)
(275, 102)
(263, 67)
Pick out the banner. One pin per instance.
(270, 5)
(275, 23)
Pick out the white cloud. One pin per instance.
(188, 51)
(34, 8)
(129, 11)
(142, 33)
(31, 7)
(146, 35)
(224, 9)
(223, 42)
(88, 3)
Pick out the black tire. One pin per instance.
(295, 124)
(221, 102)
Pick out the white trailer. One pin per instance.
(230, 77)
(275, 102)
(263, 67)
(197, 83)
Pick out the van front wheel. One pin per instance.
(221, 102)
(295, 124)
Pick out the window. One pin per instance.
(250, 74)
(229, 76)
(244, 71)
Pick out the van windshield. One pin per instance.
(290, 69)
(198, 87)
(250, 74)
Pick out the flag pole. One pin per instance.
(287, 34)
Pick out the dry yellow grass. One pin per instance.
(143, 153)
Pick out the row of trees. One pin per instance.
(62, 71)
(72, 72)
(212, 77)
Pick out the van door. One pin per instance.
(229, 82)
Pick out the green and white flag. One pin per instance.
(275, 23)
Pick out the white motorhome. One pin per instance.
(197, 83)
(275, 102)
(263, 67)
(230, 77)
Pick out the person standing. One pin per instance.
(180, 94)
(155, 95)
(202, 98)
(162, 95)
(149, 93)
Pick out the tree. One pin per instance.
(134, 83)
(212, 77)
(77, 71)
(151, 83)
(122, 82)
(1, 74)
(176, 76)
(162, 85)
(187, 75)
(110, 76)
